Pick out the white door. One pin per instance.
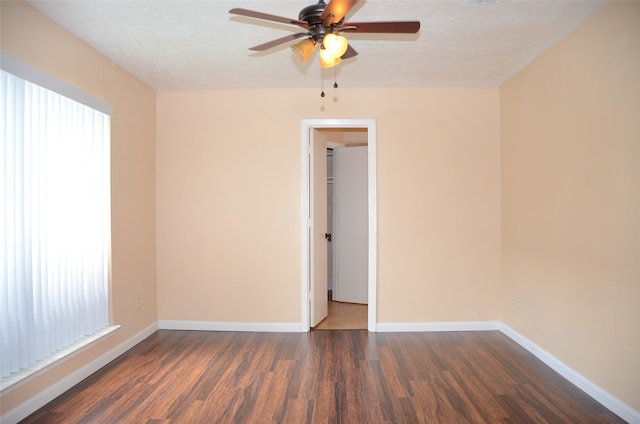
(350, 225)
(318, 199)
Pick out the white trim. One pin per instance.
(400, 327)
(36, 76)
(370, 125)
(264, 327)
(372, 310)
(305, 251)
(609, 401)
(38, 401)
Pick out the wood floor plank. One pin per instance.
(404, 411)
(352, 404)
(350, 376)
(325, 403)
(397, 378)
(298, 411)
(425, 402)
(477, 389)
(375, 394)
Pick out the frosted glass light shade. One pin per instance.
(327, 60)
(304, 49)
(335, 44)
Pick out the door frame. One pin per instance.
(307, 238)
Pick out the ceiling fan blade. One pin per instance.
(337, 8)
(392, 27)
(278, 41)
(351, 52)
(268, 17)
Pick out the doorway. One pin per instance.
(347, 228)
(314, 289)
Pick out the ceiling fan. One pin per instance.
(324, 23)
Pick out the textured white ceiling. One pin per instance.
(194, 45)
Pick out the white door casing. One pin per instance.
(307, 236)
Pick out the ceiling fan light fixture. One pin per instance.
(323, 22)
(304, 49)
(327, 60)
(335, 44)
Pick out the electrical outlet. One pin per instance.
(518, 302)
(138, 304)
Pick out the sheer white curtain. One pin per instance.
(54, 223)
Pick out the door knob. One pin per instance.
(327, 236)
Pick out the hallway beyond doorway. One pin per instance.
(344, 316)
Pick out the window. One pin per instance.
(55, 215)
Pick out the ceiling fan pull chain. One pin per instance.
(335, 77)
(322, 93)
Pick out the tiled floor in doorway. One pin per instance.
(344, 316)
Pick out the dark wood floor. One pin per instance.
(348, 376)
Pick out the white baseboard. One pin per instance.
(38, 401)
(400, 327)
(272, 327)
(609, 401)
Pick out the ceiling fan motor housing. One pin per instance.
(311, 14)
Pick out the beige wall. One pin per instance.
(35, 40)
(343, 136)
(571, 200)
(228, 196)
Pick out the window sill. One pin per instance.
(16, 380)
